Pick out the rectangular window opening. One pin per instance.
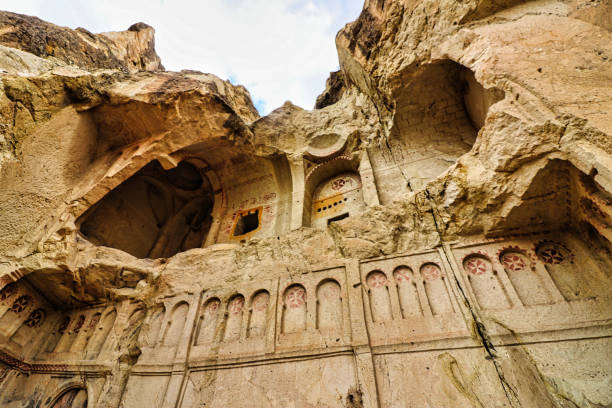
(247, 223)
(337, 218)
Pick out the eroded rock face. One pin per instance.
(131, 51)
(437, 232)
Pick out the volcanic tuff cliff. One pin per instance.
(436, 232)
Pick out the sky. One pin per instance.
(279, 49)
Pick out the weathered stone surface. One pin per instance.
(437, 232)
(334, 89)
(131, 51)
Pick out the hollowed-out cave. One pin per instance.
(155, 213)
(439, 109)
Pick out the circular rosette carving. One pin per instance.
(476, 265)
(402, 274)
(212, 306)
(8, 291)
(552, 253)
(21, 304)
(236, 305)
(513, 261)
(35, 318)
(431, 272)
(338, 183)
(295, 297)
(376, 280)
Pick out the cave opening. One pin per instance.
(156, 213)
(439, 110)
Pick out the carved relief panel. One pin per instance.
(407, 292)
(529, 285)
(23, 318)
(79, 334)
(167, 330)
(521, 280)
(295, 306)
(313, 311)
(235, 321)
(335, 198)
(258, 314)
(485, 282)
(409, 299)
(329, 307)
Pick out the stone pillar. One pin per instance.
(370, 193)
(359, 336)
(297, 198)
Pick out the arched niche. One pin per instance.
(154, 327)
(333, 191)
(407, 292)
(101, 334)
(56, 335)
(329, 307)
(436, 290)
(155, 213)
(380, 301)
(30, 328)
(235, 313)
(528, 285)
(175, 324)
(561, 197)
(7, 295)
(294, 309)
(485, 283)
(71, 334)
(86, 333)
(18, 308)
(258, 314)
(72, 398)
(252, 193)
(574, 278)
(209, 319)
(337, 198)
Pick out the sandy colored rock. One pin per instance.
(436, 232)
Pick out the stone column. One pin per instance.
(370, 193)
(297, 196)
(366, 376)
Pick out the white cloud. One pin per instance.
(279, 49)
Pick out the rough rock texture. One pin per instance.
(437, 232)
(131, 51)
(334, 89)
